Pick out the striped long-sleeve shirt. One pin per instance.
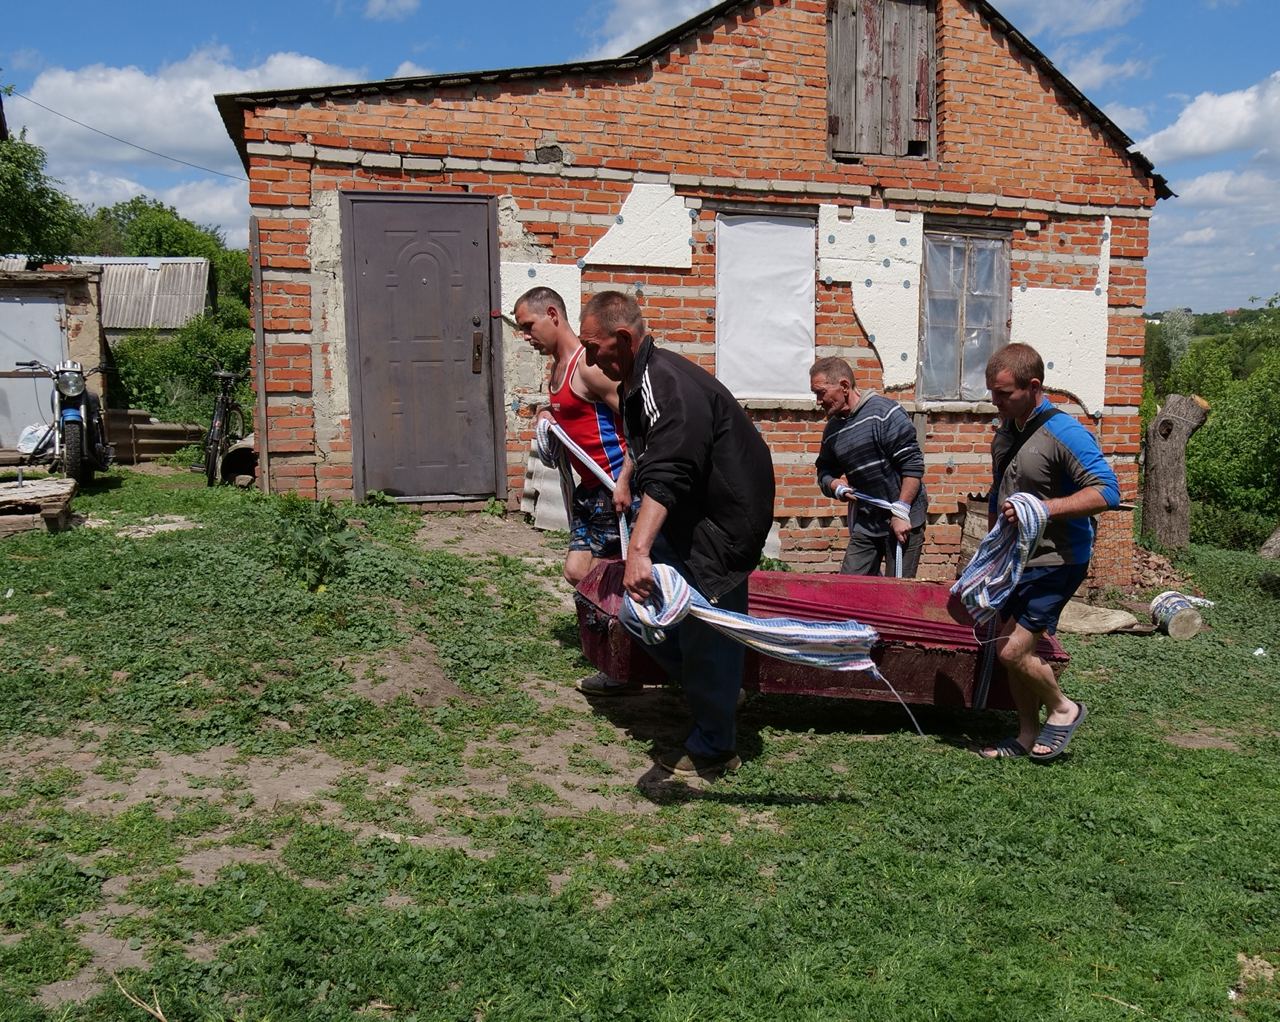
(875, 448)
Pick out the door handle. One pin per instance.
(477, 351)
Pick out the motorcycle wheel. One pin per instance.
(73, 459)
(213, 450)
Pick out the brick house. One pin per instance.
(905, 183)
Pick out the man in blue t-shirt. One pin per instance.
(1050, 455)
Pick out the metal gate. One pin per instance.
(423, 349)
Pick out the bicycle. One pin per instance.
(227, 425)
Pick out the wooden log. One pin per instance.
(1271, 548)
(1166, 510)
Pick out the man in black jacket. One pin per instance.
(706, 483)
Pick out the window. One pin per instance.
(966, 314)
(880, 77)
(765, 282)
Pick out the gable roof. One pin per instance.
(230, 104)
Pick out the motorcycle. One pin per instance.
(75, 442)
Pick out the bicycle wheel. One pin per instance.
(213, 442)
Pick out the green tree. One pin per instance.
(1207, 368)
(1257, 334)
(36, 219)
(234, 276)
(1233, 461)
(143, 226)
(1156, 363)
(1176, 325)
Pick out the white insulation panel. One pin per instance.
(1069, 329)
(652, 229)
(880, 257)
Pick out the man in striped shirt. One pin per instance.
(870, 458)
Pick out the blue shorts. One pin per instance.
(1042, 593)
(593, 525)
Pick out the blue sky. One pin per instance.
(1195, 82)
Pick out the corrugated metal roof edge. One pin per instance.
(229, 103)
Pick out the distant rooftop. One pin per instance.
(144, 292)
(147, 291)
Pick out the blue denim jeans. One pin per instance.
(708, 667)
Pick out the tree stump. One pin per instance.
(1166, 510)
(1271, 548)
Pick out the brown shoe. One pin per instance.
(686, 764)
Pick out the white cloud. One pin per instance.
(1090, 70)
(24, 60)
(1033, 17)
(408, 69)
(629, 23)
(1200, 236)
(1215, 246)
(222, 204)
(390, 10)
(170, 110)
(1220, 123)
(1220, 188)
(95, 189)
(1131, 119)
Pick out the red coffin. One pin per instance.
(927, 647)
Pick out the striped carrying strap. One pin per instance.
(831, 645)
(553, 447)
(996, 567)
(898, 508)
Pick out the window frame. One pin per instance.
(967, 232)
(861, 38)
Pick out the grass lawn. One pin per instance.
(384, 799)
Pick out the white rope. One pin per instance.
(898, 508)
(993, 573)
(552, 445)
(830, 645)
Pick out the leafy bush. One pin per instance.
(1233, 461)
(311, 540)
(172, 377)
(1229, 528)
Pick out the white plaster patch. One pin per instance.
(652, 229)
(1068, 326)
(513, 239)
(564, 278)
(880, 257)
(331, 398)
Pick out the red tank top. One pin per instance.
(590, 424)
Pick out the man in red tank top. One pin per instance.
(584, 403)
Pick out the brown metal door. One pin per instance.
(424, 383)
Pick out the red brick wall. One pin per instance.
(739, 111)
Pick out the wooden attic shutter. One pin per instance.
(880, 60)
